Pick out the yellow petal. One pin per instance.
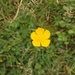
(46, 34)
(39, 31)
(33, 36)
(0, 60)
(36, 43)
(45, 43)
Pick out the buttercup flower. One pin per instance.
(40, 37)
(0, 60)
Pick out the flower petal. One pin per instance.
(36, 43)
(33, 36)
(39, 31)
(46, 34)
(0, 60)
(45, 43)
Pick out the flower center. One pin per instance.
(40, 37)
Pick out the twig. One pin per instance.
(57, 1)
(17, 11)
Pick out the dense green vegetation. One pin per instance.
(18, 18)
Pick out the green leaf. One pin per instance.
(2, 42)
(71, 31)
(37, 66)
(62, 23)
(65, 7)
(62, 37)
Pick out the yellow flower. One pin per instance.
(0, 60)
(40, 37)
